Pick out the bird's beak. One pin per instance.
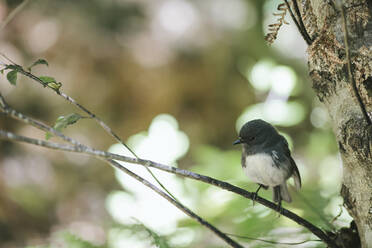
(238, 141)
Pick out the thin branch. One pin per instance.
(303, 32)
(350, 71)
(74, 102)
(13, 14)
(183, 208)
(6, 58)
(30, 121)
(206, 179)
(308, 38)
(274, 242)
(160, 183)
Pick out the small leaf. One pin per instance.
(38, 62)
(12, 77)
(72, 118)
(55, 86)
(63, 121)
(47, 80)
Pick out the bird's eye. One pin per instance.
(252, 138)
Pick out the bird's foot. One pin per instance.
(254, 197)
(279, 209)
(255, 194)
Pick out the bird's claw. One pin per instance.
(254, 197)
(279, 209)
(255, 194)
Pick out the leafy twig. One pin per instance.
(28, 120)
(19, 69)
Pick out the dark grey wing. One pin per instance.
(296, 174)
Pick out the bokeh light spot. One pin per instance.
(259, 75)
(43, 35)
(283, 80)
(265, 75)
(176, 17)
(319, 117)
(276, 112)
(244, 16)
(162, 143)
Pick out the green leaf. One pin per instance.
(55, 85)
(72, 118)
(38, 62)
(51, 82)
(12, 77)
(47, 80)
(62, 122)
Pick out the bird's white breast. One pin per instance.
(260, 169)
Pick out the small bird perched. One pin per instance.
(266, 159)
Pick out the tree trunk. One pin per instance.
(332, 83)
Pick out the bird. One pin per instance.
(266, 159)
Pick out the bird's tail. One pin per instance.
(281, 193)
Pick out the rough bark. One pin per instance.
(332, 84)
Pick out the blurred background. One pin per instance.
(175, 79)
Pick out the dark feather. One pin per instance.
(296, 174)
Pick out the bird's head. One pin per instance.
(255, 133)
